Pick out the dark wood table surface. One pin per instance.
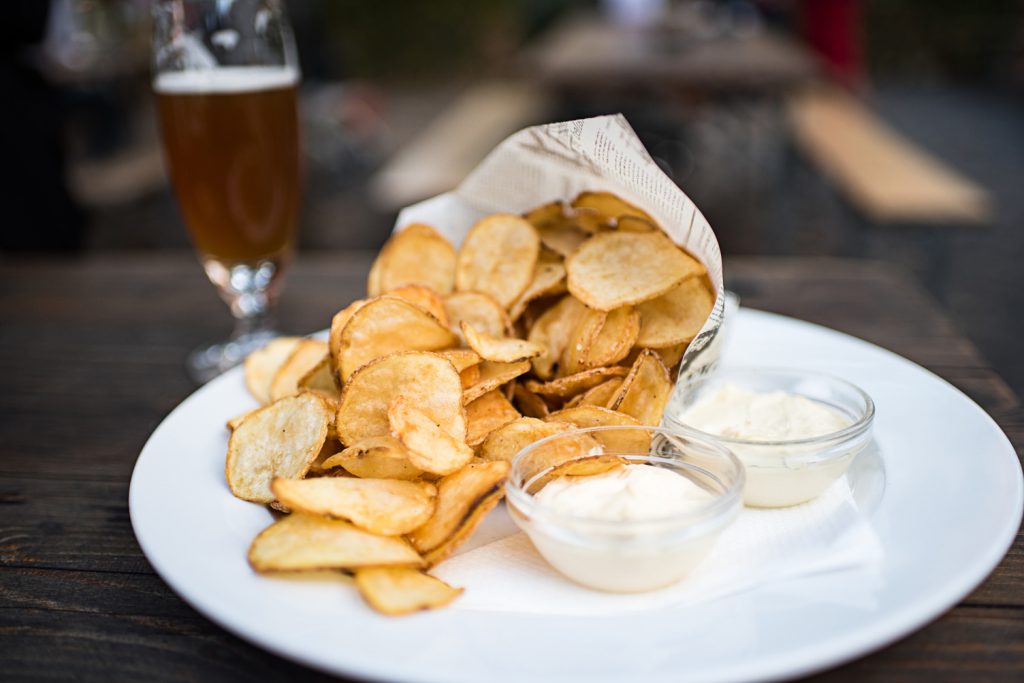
(91, 354)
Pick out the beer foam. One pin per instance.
(232, 79)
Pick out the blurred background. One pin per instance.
(881, 129)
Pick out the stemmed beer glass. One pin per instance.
(226, 76)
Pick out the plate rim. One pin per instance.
(790, 663)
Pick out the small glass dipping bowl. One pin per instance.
(787, 472)
(632, 555)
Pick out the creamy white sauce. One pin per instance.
(777, 475)
(633, 556)
(630, 493)
(737, 413)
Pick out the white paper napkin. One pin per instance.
(761, 546)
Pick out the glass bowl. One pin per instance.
(625, 555)
(786, 472)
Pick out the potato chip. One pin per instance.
(470, 376)
(615, 338)
(599, 395)
(426, 380)
(487, 413)
(501, 350)
(587, 466)
(457, 495)
(307, 355)
(613, 269)
(321, 378)
(395, 591)
(529, 403)
(263, 364)
(623, 441)
(553, 330)
(635, 224)
(338, 323)
(676, 316)
(376, 457)
(582, 336)
(498, 258)
(469, 524)
(417, 255)
(563, 239)
(566, 387)
(608, 207)
(645, 390)
(545, 215)
(280, 440)
(503, 443)
(479, 310)
(301, 542)
(548, 279)
(429, 446)
(569, 446)
(233, 423)
(387, 325)
(380, 506)
(423, 297)
(461, 358)
(492, 375)
(330, 448)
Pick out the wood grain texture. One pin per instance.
(91, 356)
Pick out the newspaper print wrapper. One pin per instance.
(558, 161)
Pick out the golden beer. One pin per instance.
(231, 142)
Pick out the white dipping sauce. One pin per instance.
(631, 557)
(777, 475)
(630, 493)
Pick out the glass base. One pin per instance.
(207, 362)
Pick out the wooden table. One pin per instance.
(91, 356)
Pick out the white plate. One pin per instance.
(948, 511)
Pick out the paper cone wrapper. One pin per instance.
(558, 161)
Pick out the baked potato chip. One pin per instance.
(545, 215)
(632, 441)
(487, 413)
(548, 279)
(676, 316)
(588, 466)
(635, 224)
(461, 358)
(425, 380)
(503, 443)
(376, 457)
(386, 325)
(425, 298)
(498, 258)
(492, 375)
(338, 323)
(301, 542)
(279, 440)
(380, 506)
(562, 239)
(429, 446)
(548, 455)
(479, 310)
(457, 495)
(567, 387)
(645, 390)
(469, 524)
(529, 403)
(307, 355)
(417, 255)
(321, 378)
(614, 339)
(263, 364)
(553, 330)
(613, 269)
(501, 350)
(470, 376)
(233, 423)
(600, 395)
(608, 207)
(395, 591)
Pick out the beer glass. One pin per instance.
(226, 76)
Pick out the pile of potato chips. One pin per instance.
(388, 444)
